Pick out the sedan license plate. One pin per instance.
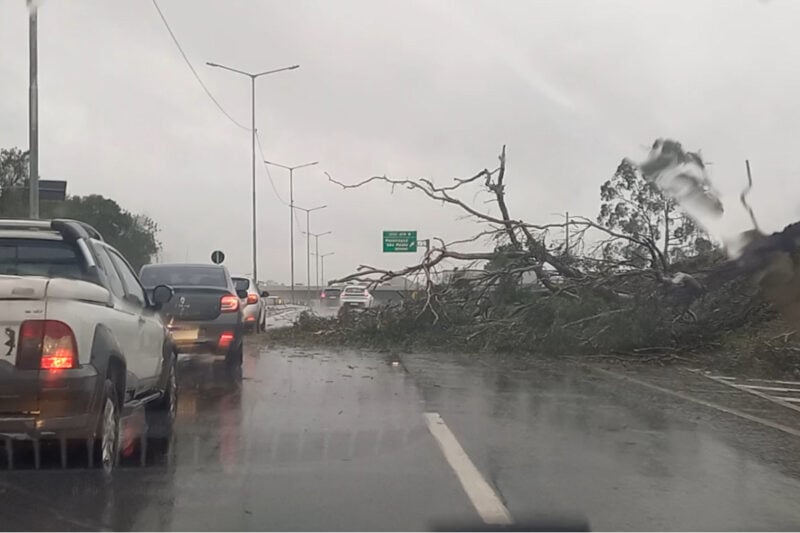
(184, 335)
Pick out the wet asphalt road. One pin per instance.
(331, 440)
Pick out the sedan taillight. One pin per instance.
(229, 303)
(225, 339)
(46, 345)
(252, 298)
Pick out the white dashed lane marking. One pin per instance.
(480, 493)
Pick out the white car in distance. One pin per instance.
(356, 296)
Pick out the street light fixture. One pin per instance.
(253, 77)
(316, 251)
(308, 241)
(291, 209)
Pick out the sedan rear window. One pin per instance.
(51, 259)
(182, 276)
(332, 291)
(354, 290)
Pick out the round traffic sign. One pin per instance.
(217, 257)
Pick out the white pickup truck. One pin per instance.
(82, 346)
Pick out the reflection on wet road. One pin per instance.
(312, 439)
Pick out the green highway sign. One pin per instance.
(399, 241)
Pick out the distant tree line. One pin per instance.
(134, 235)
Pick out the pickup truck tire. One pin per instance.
(162, 412)
(107, 436)
(235, 355)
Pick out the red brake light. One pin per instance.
(252, 298)
(229, 303)
(322, 295)
(46, 344)
(225, 339)
(58, 359)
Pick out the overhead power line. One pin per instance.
(266, 167)
(194, 72)
(216, 102)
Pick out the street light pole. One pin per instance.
(308, 242)
(322, 263)
(316, 252)
(291, 210)
(291, 228)
(33, 114)
(253, 158)
(253, 77)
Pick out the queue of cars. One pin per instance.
(347, 296)
(88, 347)
(86, 344)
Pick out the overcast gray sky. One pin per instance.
(403, 88)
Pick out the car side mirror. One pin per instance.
(265, 294)
(161, 295)
(241, 293)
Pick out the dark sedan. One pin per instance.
(329, 296)
(205, 313)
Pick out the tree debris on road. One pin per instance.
(644, 278)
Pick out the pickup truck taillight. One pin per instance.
(252, 298)
(229, 303)
(46, 345)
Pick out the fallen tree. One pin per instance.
(586, 299)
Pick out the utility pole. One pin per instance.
(33, 114)
(291, 210)
(253, 76)
(566, 236)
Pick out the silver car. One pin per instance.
(253, 306)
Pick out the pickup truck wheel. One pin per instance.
(161, 413)
(108, 429)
